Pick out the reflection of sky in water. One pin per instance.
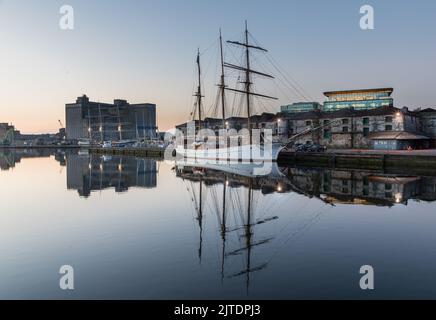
(144, 243)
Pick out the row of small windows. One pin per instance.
(346, 129)
(365, 121)
(365, 189)
(327, 132)
(359, 96)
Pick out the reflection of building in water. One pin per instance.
(357, 187)
(87, 173)
(9, 157)
(340, 186)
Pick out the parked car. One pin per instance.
(309, 147)
(316, 148)
(297, 145)
(301, 147)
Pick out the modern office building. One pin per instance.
(362, 99)
(103, 121)
(301, 107)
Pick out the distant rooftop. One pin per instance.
(375, 90)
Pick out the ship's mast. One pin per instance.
(248, 71)
(222, 85)
(198, 94)
(247, 80)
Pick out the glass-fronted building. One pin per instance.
(301, 107)
(363, 99)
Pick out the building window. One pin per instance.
(344, 129)
(365, 121)
(388, 127)
(326, 134)
(344, 121)
(344, 186)
(308, 123)
(365, 132)
(326, 122)
(388, 119)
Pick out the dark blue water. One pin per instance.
(144, 229)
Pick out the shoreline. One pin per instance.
(418, 160)
(357, 159)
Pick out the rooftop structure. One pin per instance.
(301, 107)
(362, 99)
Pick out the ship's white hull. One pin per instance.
(244, 153)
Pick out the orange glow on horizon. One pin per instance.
(28, 125)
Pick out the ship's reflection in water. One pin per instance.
(194, 232)
(234, 200)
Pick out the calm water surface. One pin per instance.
(139, 228)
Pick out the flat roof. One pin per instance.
(389, 90)
(301, 102)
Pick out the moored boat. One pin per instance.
(246, 150)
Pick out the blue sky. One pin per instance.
(144, 51)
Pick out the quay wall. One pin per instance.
(360, 161)
(138, 152)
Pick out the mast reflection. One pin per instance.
(232, 197)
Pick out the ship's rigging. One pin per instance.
(240, 74)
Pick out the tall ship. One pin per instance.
(248, 148)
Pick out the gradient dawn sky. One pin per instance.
(144, 51)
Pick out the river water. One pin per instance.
(147, 229)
